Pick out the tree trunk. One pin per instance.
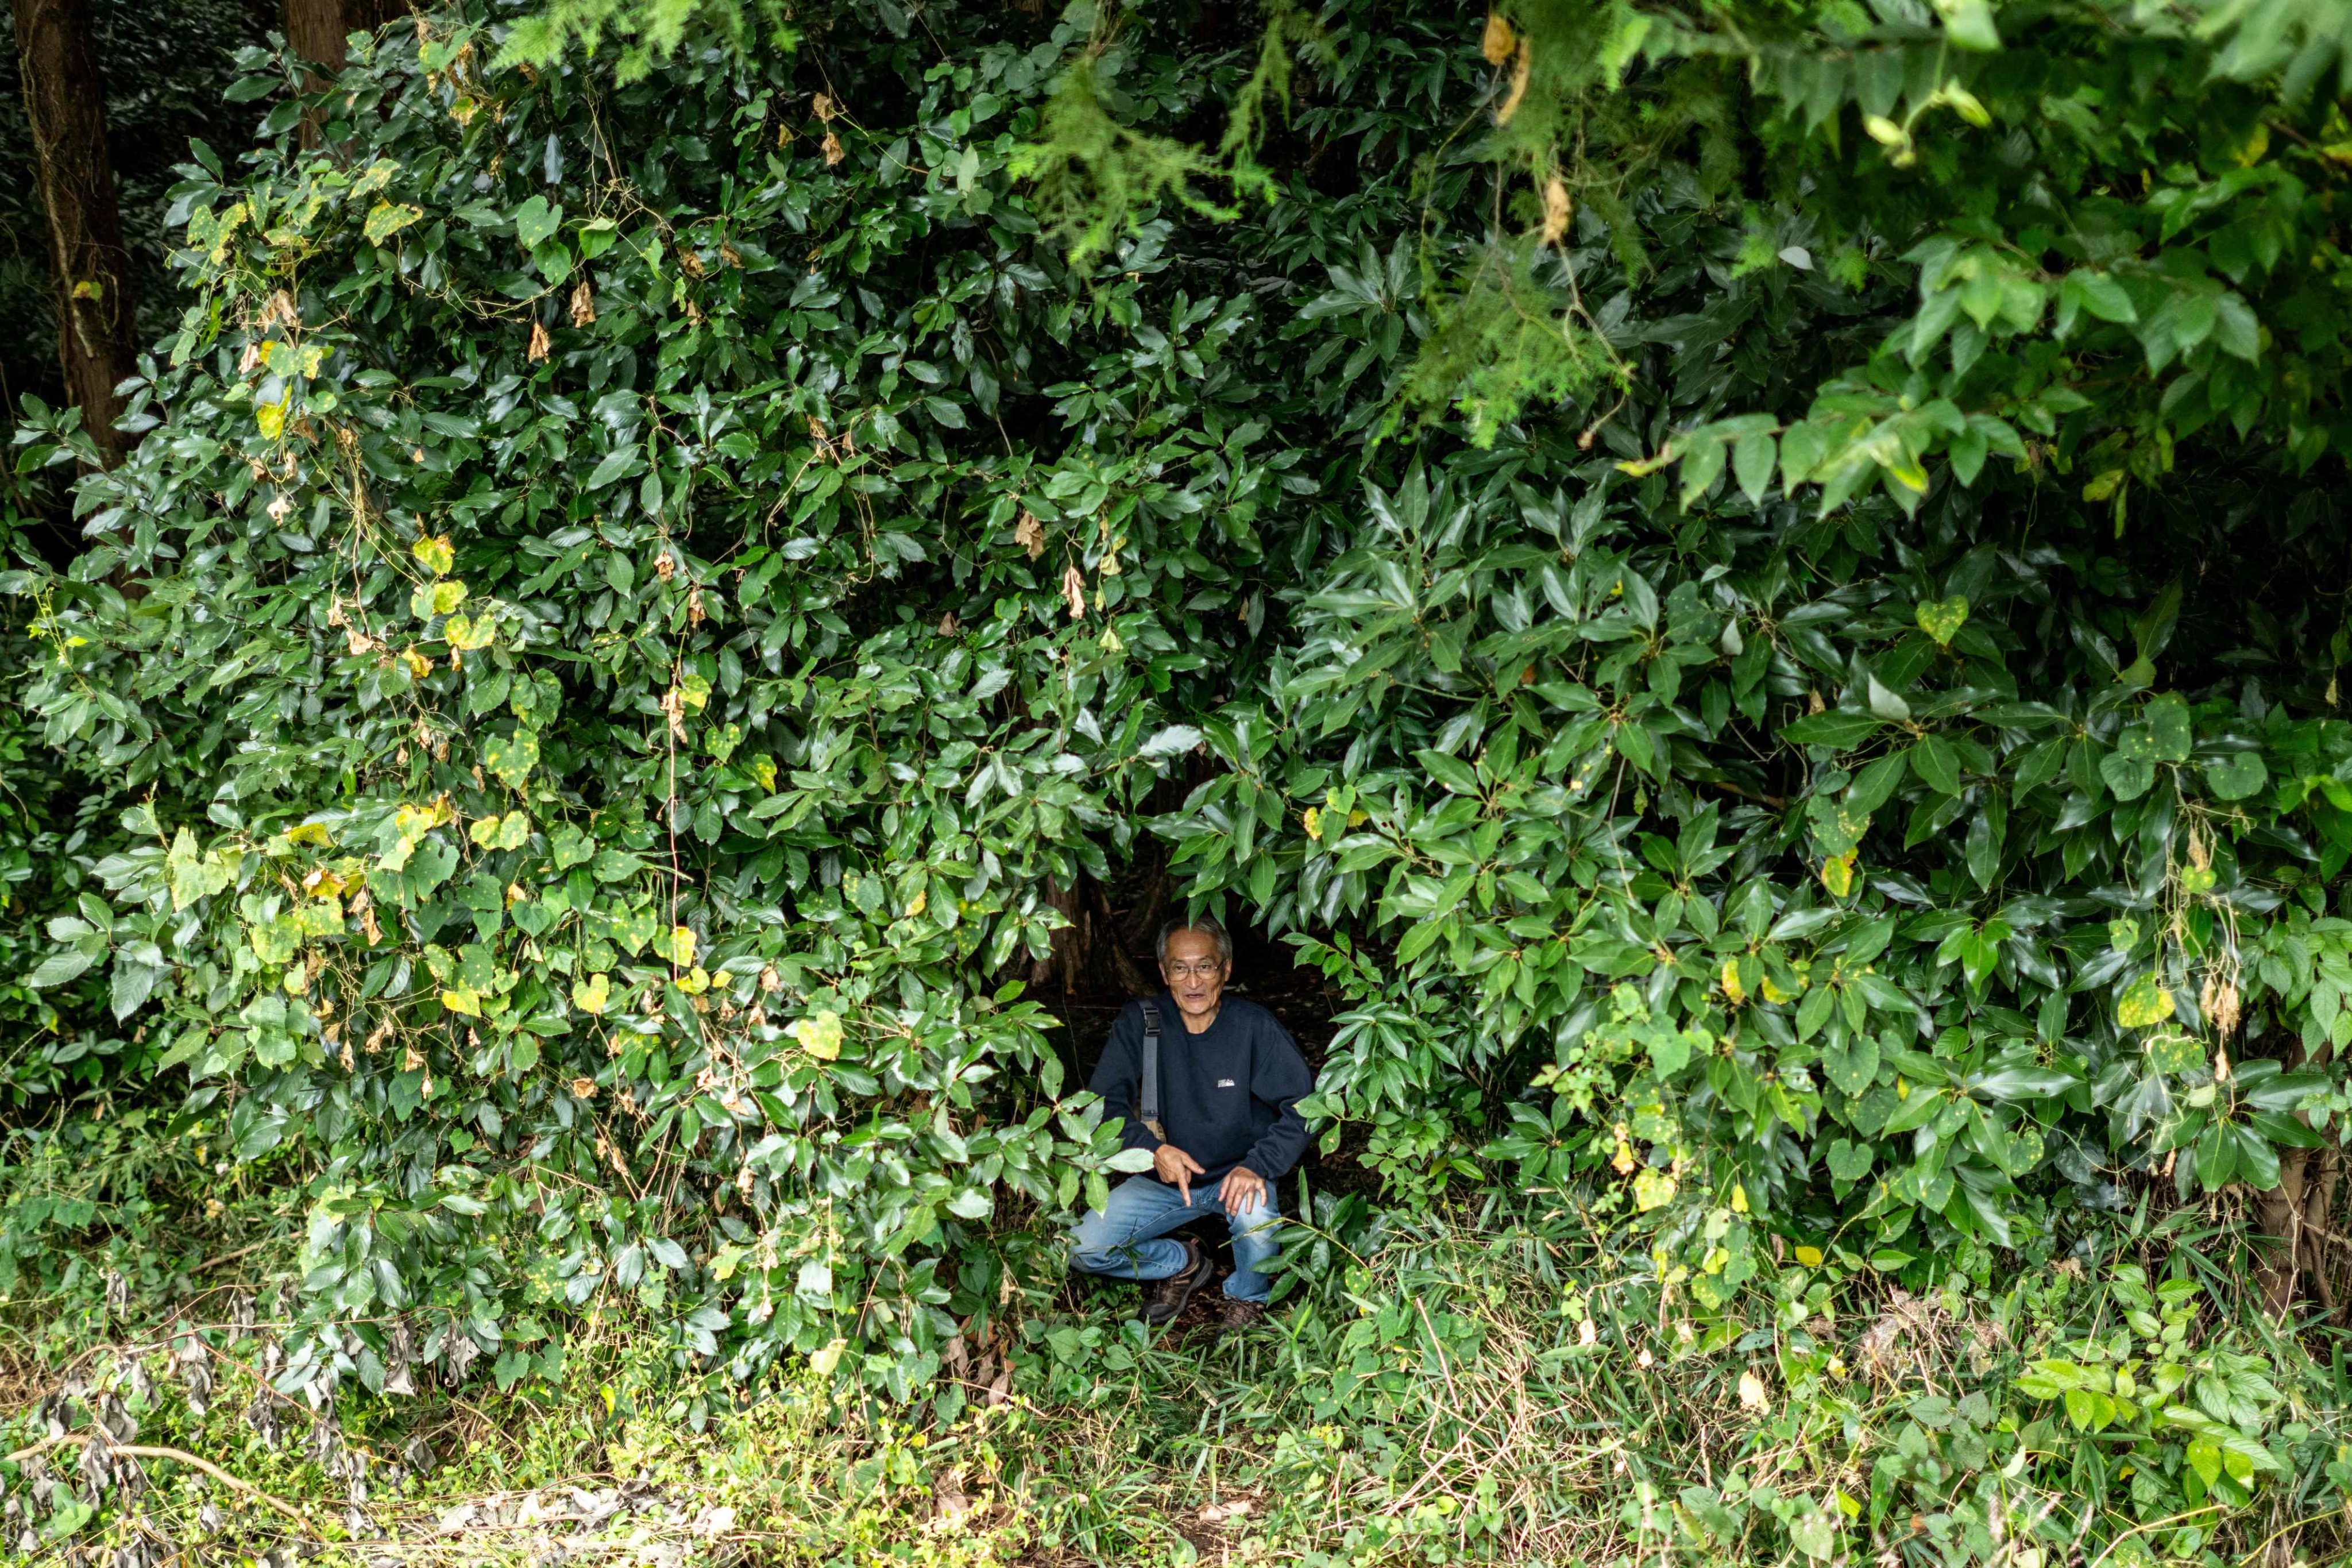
(65, 105)
(315, 31)
(2280, 1216)
(2296, 1231)
(1088, 954)
(2319, 1217)
(1073, 944)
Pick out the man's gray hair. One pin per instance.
(1208, 926)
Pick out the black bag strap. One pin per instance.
(1150, 1088)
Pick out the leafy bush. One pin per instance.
(636, 603)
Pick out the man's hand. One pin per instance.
(1243, 1188)
(1173, 1164)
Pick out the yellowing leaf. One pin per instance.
(1731, 986)
(593, 995)
(462, 999)
(512, 757)
(309, 833)
(387, 219)
(509, 832)
(1837, 874)
(1313, 821)
(764, 770)
(1943, 618)
(680, 947)
(2144, 1003)
(1653, 1189)
(467, 635)
(270, 419)
(433, 552)
(1811, 1257)
(2175, 1052)
(1752, 1395)
(819, 1034)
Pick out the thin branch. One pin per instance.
(181, 1455)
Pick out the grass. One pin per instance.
(1495, 1383)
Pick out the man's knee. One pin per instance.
(1260, 1216)
(1093, 1246)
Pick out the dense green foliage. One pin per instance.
(634, 596)
(1493, 1382)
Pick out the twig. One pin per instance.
(229, 1256)
(181, 1455)
(1774, 801)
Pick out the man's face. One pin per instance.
(1195, 974)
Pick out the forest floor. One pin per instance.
(1485, 1387)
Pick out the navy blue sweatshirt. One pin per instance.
(1228, 1095)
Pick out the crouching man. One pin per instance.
(1220, 1122)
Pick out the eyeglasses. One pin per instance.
(1205, 971)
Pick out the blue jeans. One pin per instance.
(1126, 1239)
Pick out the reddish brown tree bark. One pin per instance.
(65, 104)
(316, 30)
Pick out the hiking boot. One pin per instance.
(1168, 1295)
(1240, 1315)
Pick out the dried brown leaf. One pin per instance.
(1519, 74)
(1556, 210)
(1498, 40)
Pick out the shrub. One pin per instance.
(637, 605)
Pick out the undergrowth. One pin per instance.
(1492, 1385)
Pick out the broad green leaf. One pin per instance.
(1938, 765)
(2170, 733)
(1852, 1066)
(1848, 1160)
(2240, 775)
(535, 221)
